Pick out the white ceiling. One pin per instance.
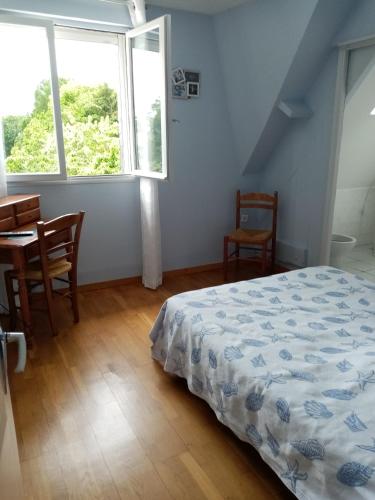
(201, 6)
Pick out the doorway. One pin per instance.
(350, 237)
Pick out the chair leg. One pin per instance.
(74, 295)
(11, 300)
(264, 259)
(237, 256)
(49, 297)
(225, 260)
(273, 254)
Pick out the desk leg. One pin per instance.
(23, 295)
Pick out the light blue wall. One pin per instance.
(111, 238)
(271, 50)
(89, 10)
(257, 44)
(361, 22)
(299, 167)
(309, 57)
(212, 137)
(197, 204)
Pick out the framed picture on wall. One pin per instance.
(192, 76)
(178, 76)
(185, 83)
(179, 91)
(192, 89)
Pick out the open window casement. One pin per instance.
(148, 52)
(30, 48)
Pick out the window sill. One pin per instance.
(100, 179)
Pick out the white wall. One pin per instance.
(355, 213)
(357, 152)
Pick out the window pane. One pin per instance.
(26, 109)
(89, 88)
(147, 90)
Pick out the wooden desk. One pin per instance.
(19, 213)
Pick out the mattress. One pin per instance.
(287, 362)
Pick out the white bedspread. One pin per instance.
(288, 363)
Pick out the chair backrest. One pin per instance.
(257, 200)
(59, 239)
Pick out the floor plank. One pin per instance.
(96, 418)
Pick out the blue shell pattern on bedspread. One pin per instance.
(288, 363)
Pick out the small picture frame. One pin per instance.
(179, 91)
(178, 76)
(192, 76)
(192, 89)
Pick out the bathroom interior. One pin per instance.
(353, 238)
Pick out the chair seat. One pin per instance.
(252, 236)
(55, 268)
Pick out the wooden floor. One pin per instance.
(96, 418)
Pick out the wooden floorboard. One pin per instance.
(96, 418)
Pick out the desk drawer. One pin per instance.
(6, 212)
(7, 224)
(27, 205)
(7, 219)
(27, 217)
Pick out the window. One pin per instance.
(146, 64)
(27, 112)
(89, 87)
(79, 103)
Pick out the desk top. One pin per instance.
(19, 212)
(17, 242)
(16, 198)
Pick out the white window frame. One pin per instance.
(90, 35)
(125, 97)
(163, 25)
(49, 27)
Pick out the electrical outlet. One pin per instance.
(244, 217)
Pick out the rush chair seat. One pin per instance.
(262, 241)
(58, 255)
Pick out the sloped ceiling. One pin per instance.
(314, 46)
(257, 44)
(280, 48)
(200, 6)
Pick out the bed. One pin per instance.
(287, 362)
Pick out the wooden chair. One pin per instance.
(58, 249)
(253, 239)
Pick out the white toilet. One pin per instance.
(341, 246)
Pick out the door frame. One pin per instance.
(337, 125)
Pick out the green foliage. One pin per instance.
(81, 103)
(155, 137)
(42, 95)
(91, 132)
(92, 147)
(12, 128)
(35, 149)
